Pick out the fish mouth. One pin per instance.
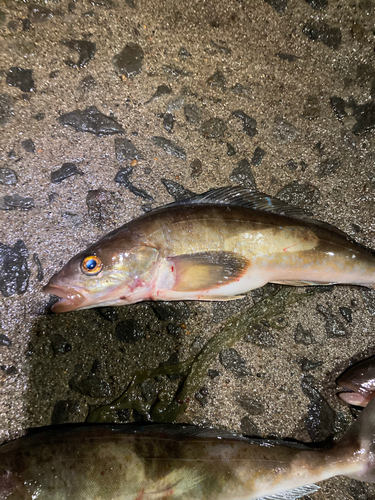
(70, 299)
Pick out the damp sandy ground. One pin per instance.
(274, 95)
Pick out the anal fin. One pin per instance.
(302, 283)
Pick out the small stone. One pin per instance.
(21, 78)
(65, 171)
(365, 117)
(174, 330)
(59, 344)
(123, 177)
(328, 167)
(286, 57)
(230, 150)
(15, 201)
(284, 131)
(4, 340)
(192, 113)
(213, 373)
(292, 165)
(149, 390)
(6, 108)
(249, 124)
(168, 122)
(40, 274)
(233, 362)
(54, 74)
(311, 108)
(334, 327)
(65, 411)
(14, 271)
(196, 168)
(261, 335)
(178, 312)
(39, 13)
(239, 89)
(216, 80)
(338, 105)
(213, 128)
(169, 147)
(97, 201)
(39, 117)
(183, 52)
(176, 190)
(8, 177)
(129, 331)
(129, 61)
(308, 364)
(92, 386)
(347, 314)
(302, 336)
(258, 156)
(173, 71)
(248, 428)
(278, 5)
(243, 175)
(28, 146)
(323, 32)
(251, 405)
(160, 91)
(125, 150)
(91, 120)
(88, 83)
(303, 195)
(202, 396)
(85, 49)
(175, 104)
(109, 313)
(317, 4)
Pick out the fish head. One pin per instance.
(359, 379)
(102, 276)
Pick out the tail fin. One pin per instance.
(359, 442)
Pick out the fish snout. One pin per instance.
(70, 298)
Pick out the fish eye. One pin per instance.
(91, 265)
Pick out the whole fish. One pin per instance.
(215, 246)
(360, 380)
(176, 462)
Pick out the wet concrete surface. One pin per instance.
(109, 109)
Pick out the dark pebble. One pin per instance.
(4, 340)
(59, 344)
(213, 373)
(109, 313)
(15, 201)
(369, 300)
(221, 48)
(174, 330)
(292, 165)
(258, 156)
(125, 150)
(309, 364)
(278, 5)
(39, 13)
(88, 83)
(248, 428)
(317, 4)
(14, 272)
(302, 336)
(347, 313)
(261, 336)
(160, 91)
(91, 120)
(6, 108)
(202, 396)
(284, 131)
(10, 370)
(365, 117)
(311, 108)
(232, 361)
(216, 80)
(130, 3)
(243, 175)
(239, 89)
(65, 171)
(173, 71)
(149, 391)
(324, 33)
(8, 177)
(250, 405)
(338, 105)
(334, 327)
(40, 274)
(28, 145)
(328, 167)
(12, 154)
(176, 190)
(13, 25)
(183, 52)
(178, 312)
(286, 57)
(196, 168)
(168, 122)
(71, 6)
(92, 386)
(85, 49)
(129, 331)
(129, 61)
(97, 201)
(39, 117)
(89, 13)
(64, 411)
(169, 147)
(230, 150)
(303, 195)
(213, 128)
(123, 177)
(320, 422)
(21, 78)
(249, 124)
(192, 113)
(54, 74)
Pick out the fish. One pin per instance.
(173, 461)
(215, 246)
(359, 379)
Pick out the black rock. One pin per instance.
(39, 117)
(286, 57)
(369, 300)
(183, 52)
(292, 165)
(230, 150)
(279, 5)
(178, 312)
(91, 120)
(14, 272)
(213, 373)
(365, 117)
(92, 386)
(149, 390)
(334, 327)
(338, 105)
(303, 195)
(196, 168)
(302, 336)
(323, 32)
(168, 122)
(6, 108)
(40, 274)
(192, 113)
(213, 128)
(309, 364)
(125, 150)
(28, 146)
(129, 331)
(59, 344)
(216, 80)
(232, 361)
(284, 131)
(15, 201)
(129, 61)
(97, 201)
(251, 405)
(176, 190)
(85, 49)
(258, 156)
(202, 396)
(109, 313)
(21, 78)
(221, 48)
(173, 71)
(160, 91)
(122, 177)
(249, 124)
(88, 83)
(243, 175)
(248, 428)
(65, 171)
(261, 335)
(317, 4)
(328, 167)
(174, 330)
(39, 13)
(346, 313)
(8, 177)
(169, 147)
(4, 340)
(64, 411)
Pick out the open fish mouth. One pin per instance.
(70, 299)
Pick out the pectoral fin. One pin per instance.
(207, 270)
